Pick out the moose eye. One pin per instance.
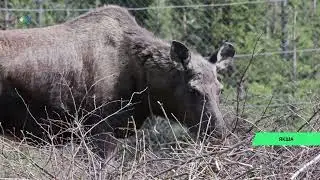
(220, 92)
(219, 78)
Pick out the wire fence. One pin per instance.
(200, 24)
(147, 8)
(153, 13)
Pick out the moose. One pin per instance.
(109, 74)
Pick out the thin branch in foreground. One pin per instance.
(242, 80)
(307, 122)
(33, 163)
(198, 157)
(262, 115)
(304, 167)
(124, 107)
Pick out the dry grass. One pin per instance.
(165, 150)
(160, 150)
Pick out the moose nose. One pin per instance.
(218, 126)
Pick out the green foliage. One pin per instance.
(203, 28)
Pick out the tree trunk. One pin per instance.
(284, 30)
(6, 16)
(294, 64)
(315, 33)
(39, 13)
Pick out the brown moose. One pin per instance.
(108, 73)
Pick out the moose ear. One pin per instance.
(223, 58)
(180, 53)
(225, 52)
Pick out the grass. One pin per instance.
(163, 150)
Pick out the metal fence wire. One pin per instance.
(200, 24)
(203, 24)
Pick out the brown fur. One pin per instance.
(100, 58)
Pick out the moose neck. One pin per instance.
(149, 56)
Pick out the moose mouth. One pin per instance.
(209, 124)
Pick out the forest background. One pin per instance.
(283, 80)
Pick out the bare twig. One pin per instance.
(262, 115)
(198, 157)
(124, 107)
(308, 121)
(304, 167)
(241, 81)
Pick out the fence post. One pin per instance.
(66, 5)
(97, 3)
(273, 19)
(40, 12)
(6, 16)
(315, 33)
(294, 47)
(284, 31)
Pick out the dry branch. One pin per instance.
(304, 167)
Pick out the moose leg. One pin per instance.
(105, 145)
(103, 141)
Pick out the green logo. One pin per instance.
(286, 139)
